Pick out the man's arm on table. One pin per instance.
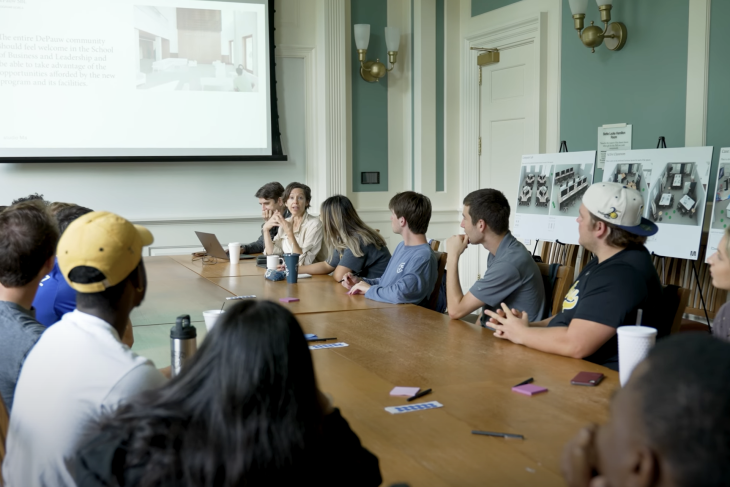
(256, 247)
(579, 340)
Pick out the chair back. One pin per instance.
(433, 300)
(563, 281)
(4, 420)
(674, 302)
(435, 244)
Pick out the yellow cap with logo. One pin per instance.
(105, 242)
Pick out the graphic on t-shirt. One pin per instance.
(400, 267)
(571, 299)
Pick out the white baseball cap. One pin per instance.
(619, 205)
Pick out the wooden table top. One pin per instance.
(471, 373)
(223, 269)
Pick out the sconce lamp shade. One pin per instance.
(392, 38)
(579, 6)
(604, 2)
(362, 35)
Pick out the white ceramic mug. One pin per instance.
(273, 261)
(234, 252)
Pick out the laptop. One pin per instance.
(214, 248)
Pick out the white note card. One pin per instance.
(329, 345)
(414, 407)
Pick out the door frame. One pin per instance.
(525, 31)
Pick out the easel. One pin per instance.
(662, 144)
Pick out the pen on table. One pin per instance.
(525, 382)
(500, 435)
(321, 339)
(420, 394)
(240, 297)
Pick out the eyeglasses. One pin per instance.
(205, 258)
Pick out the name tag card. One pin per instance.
(414, 407)
(329, 345)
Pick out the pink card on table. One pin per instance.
(405, 391)
(529, 389)
(289, 300)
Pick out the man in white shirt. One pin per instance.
(79, 368)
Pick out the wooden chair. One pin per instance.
(434, 298)
(435, 244)
(4, 420)
(562, 284)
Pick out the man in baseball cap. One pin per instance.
(618, 282)
(80, 368)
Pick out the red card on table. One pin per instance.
(288, 300)
(529, 389)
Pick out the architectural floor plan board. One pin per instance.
(720, 203)
(549, 193)
(673, 183)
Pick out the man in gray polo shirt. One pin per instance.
(512, 277)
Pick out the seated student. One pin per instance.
(412, 271)
(353, 246)
(512, 277)
(619, 281)
(271, 199)
(300, 233)
(669, 426)
(55, 297)
(79, 368)
(28, 237)
(720, 271)
(245, 410)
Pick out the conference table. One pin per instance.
(470, 371)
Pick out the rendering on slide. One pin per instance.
(674, 195)
(722, 198)
(534, 190)
(570, 182)
(186, 49)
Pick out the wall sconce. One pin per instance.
(592, 36)
(372, 71)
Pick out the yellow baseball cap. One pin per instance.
(105, 242)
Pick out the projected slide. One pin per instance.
(126, 78)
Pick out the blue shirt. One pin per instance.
(54, 298)
(409, 278)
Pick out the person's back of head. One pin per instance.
(56, 206)
(670, 424)
(344, 229)
(66, 215)
(242, 411)
(31, 197)
(28, 238)
(415, 208)
(490, 206)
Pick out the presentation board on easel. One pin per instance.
(673, 183)
(549, 193)
(719, 220)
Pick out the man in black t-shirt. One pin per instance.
(618, 282)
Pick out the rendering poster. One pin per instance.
(549, 194)
(719, 221)
(673, 183)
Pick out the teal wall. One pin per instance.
(718, 96)
(370, 100)
(481, 6)
(644, 84)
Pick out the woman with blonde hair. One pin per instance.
(353, 246)
(720, 271)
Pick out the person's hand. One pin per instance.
(266, 214)
(500, 312)
(579, 460)
(359, 288)
(272, 222)
(287, 226)
(457, 244)
(510, 324)
(243, 249)
(348, 280)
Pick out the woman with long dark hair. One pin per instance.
(245, 411)
(353, 246)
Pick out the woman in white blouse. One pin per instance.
(301, 233)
